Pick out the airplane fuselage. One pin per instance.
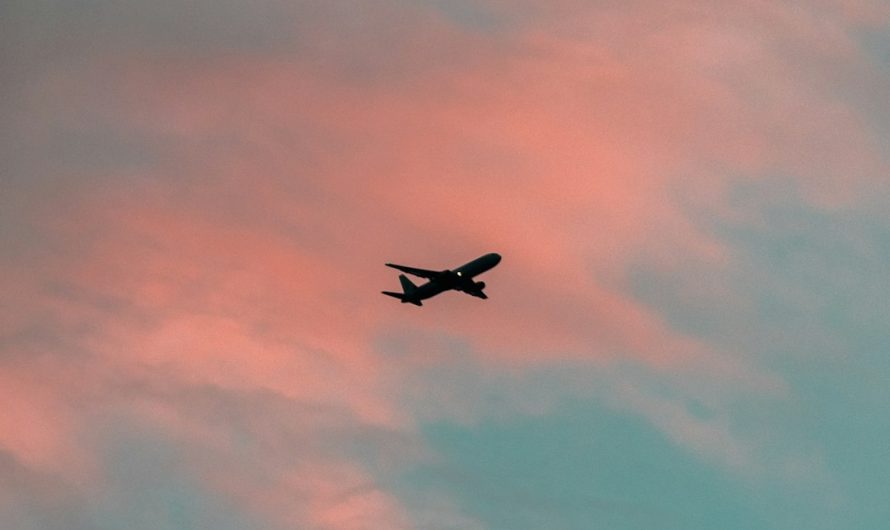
(478, 265)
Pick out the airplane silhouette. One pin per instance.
(459, 279)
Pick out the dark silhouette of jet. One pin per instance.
(459, 279)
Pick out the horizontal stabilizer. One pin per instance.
(400, 296)
(403, 298)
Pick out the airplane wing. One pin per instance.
(420, 273)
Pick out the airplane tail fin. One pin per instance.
(408, 287)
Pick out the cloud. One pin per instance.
(201, 205)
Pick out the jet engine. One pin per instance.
(479, 286)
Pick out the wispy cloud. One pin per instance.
(200, 202)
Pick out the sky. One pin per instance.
(688, 330)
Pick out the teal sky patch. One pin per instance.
(813, 286)
(579, 468)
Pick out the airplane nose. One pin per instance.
(495, 257)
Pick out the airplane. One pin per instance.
(459, 279)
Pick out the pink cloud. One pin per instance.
(248, 260)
